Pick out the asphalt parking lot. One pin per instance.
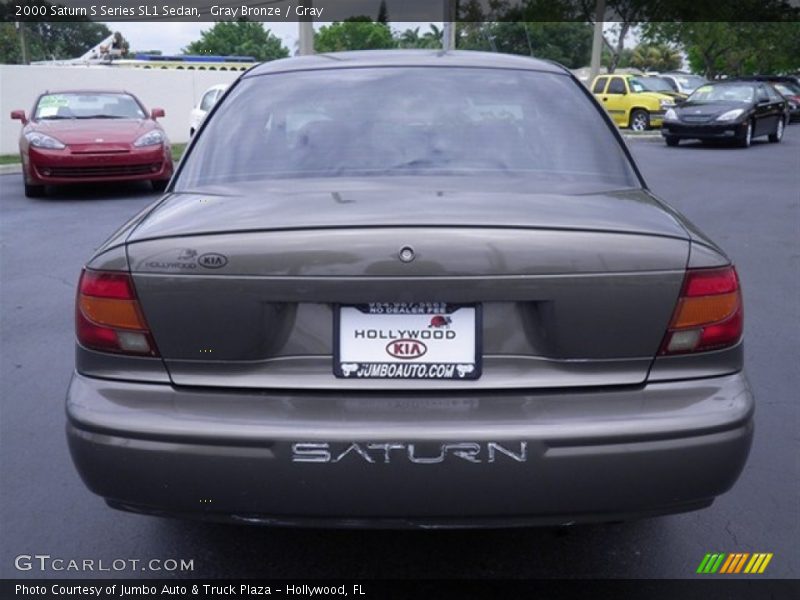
(746, 200)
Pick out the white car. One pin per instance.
(683, 83)
(207, 101)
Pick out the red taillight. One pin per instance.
(106, 284)
(108, 316)
(708, 315)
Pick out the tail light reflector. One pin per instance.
(709, 313)
(108, 316)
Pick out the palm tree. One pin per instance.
(655, 57)
(670, 59)
(433, 38)
(410, 38)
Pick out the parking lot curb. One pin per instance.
(646, 137)
(9, 169)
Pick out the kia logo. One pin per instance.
(212, 260)
(406, 349)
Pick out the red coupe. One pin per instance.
(85, 136)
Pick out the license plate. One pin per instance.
(425, 340)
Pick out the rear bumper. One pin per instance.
(589, 456)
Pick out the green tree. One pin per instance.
(733, 48)
(706, 43)
(410, 38)
(565, 42)
(558, 30)
(655, 57)
(356, 33)
(10, 52)
(623, 60)
(46, 40)
(433, 38)
(240, 38)
(383, 14)
(50, 40)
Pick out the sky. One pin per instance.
(171, 38)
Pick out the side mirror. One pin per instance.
(157, 113)
(19, 115)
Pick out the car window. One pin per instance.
(689, 83)
(637, 86)
(208, 100)
(88, 106)
(617, 86)
(774, 96)
(407, 121)
(653, 84)
(787, 89)
(672, 84)
(794, 88)
(599, 85)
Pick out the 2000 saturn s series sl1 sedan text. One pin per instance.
(409, 289)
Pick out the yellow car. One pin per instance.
(629, 104)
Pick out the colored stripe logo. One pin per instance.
(736, 562)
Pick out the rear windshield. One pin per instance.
(88, 106)
(407, 121)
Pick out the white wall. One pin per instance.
(176, 91)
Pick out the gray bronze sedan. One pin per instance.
(409, 289)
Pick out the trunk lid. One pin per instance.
(240, 290)
(297, 204)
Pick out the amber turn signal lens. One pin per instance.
(705, 309)
(111, 312)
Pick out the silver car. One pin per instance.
(409, 289)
